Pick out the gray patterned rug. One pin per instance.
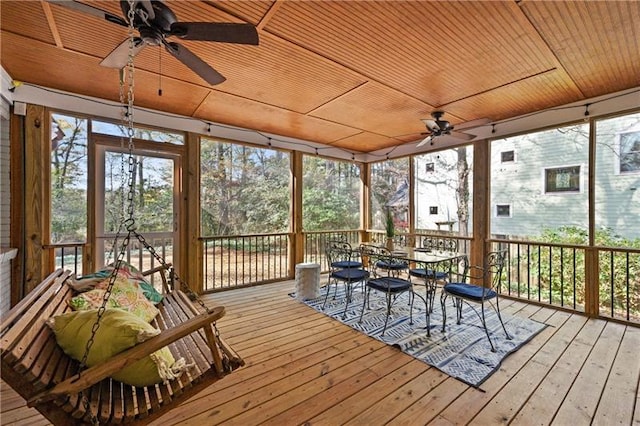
(462, 351)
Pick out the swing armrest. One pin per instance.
(93, 375)
(156, 269)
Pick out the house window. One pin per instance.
(630, 152)
(562, 179)
(503, 210)
(433, 210)
(430, 167)
(507, 156)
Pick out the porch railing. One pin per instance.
(548, 273)
(67, 256)
(555, 274)
(316, 241)
(619, 277)
(242, 260)
(70, 256)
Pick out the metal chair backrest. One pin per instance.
(339, 251)
(442, 244)
(374, 256)
(493, 267)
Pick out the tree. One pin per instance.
(68, 179)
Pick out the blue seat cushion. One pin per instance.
(394, 285)
(430, 273)
(350, 274)
(470, 291)
(394, 266)
(346, 264)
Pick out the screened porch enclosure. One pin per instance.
(230, 215)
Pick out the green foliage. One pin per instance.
(331, 195)
(390, 228)
(68, 179)
(69, 215)
(243, 190)
(557, 274)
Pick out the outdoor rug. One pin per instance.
(462, 351)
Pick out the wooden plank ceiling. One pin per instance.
(355, 75)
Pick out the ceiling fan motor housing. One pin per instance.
(161, 22)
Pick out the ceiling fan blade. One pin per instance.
(431, 124)
(459, 135)
(146, 4)
(425, 140)
(196, 64)
(473, 123)
(119, 56)
(90, 10)
(226, 32)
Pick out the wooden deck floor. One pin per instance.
(304, 368)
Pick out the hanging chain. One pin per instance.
(129, 222)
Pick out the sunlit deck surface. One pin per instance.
(304, 368)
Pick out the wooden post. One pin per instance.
(191, 267)
(412, 203)
(591, 261)
(591, 282)
(365, 198)
(36, 212)
(297, 240)
(481, 202)
(17, 206)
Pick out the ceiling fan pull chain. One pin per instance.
(159, 71)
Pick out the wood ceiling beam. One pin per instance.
(52, 23)
(267, 16)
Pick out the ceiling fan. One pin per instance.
(155, 23)
(438, 127)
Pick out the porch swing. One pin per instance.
(65, 390)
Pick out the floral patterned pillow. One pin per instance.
(125, 295)
(129, 272)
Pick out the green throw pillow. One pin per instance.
(119, 330)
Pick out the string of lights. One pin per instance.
(270, 139)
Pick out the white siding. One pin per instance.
(5, 210)
(521, 183)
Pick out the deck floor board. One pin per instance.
(304, 368)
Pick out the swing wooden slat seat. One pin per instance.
(37, 368)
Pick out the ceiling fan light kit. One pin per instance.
(439, 127)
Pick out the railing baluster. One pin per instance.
(550, 275)
(612, 283)
(627, 286)
(561, 276)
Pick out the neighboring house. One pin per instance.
(540, 181)
(436, 200)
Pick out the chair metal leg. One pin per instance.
(365, 298)
(443, 301)
(458, 305)
(326, 296)
(486, 330)
(497, 309)
(347, 290)
(412, 296)
(386, 320)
